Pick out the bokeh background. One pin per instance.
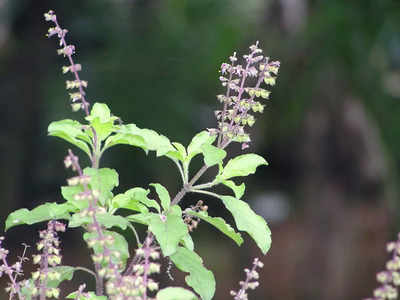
(331, 131)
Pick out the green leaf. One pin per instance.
(247, 220)
(154, 141)
(137, 196)
(90, 296)
(101, 120)
(72, 132)
(199, 140)
(105, 219)
(187, 242)
(218, 223)
(128, 201)
(242, 165)
(199, 278)
(142, 218)
(175, 293)
(102, 180)
(237, 189)
(163, 194)
(69, 193)
(127, 139)
(41, 213)
(120, 245)
(66, 273)
(169, 230)
(212, 155)
(181, 149)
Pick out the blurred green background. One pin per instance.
(331, 131)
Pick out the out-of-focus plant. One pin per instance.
(91, 205)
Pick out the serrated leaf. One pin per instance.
(169, 230)
(70, 131)
(163, 194)
(175, 293)
(199, 278)
(242, 165)
(119, 244)
(212, 155)
(105, 219)
(200, 139)
(247, 220)
(218, 223)
(41, 213)
(102, 180)
(237, 189)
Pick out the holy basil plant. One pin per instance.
(92, 201)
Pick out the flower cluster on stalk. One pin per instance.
(191, 221)
(243, 87)
(389, 279)
(48, 258)
(251, 281)
(12, 271)
(78, 96)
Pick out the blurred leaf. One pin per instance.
(105, 219)
(218, 223)
(119, 244)
(199, 278)
(175, 293)
(247, 220)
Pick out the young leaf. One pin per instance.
(218, 223)
(212, 155)
(101, 120)
(120, 245)
(127, 201)
(72, 132)
(141, 218)
(247, 220)
(199, 140)
(163, 195)
(237, 189)
(169, 230)
(180, 154)
(102, 180)
(105, 219)
(242, 165)
(137, 198)
(175, 293)
(199, 278)
(44, 212)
